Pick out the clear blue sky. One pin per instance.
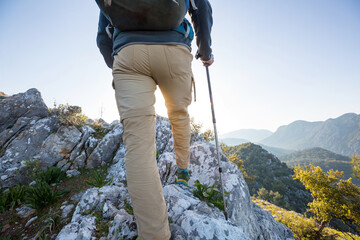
(275, 61)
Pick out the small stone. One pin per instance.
(4, 177)
(67, 210)
(31, 220)
(63, 205)
(72, 173)
(33, 183)
(25, 212)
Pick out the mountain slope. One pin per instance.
(320, 157)
(273, 175)
(340, 135)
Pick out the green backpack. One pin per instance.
(130, 15)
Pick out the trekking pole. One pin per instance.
(216, 140)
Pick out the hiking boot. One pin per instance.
(182, 176)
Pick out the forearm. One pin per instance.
(202, 22)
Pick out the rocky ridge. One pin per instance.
(29, 132)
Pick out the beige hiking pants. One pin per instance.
(137, 70)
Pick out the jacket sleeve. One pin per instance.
(202, 22)
(104, 42)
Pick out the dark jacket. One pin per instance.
(201, 19)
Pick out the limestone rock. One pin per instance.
(105, 150)
(79, 162)
(118, 171)
(123, 227)
(271, 230)
(28, 104)
(90, 145)
(26, 146)
(59, 145)
(83, 229)
(164, 141)
(86, 131)
(167, 167)
(204, 167)
(197, 220)
(83, 223)
(11, 133)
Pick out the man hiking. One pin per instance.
(140, 61)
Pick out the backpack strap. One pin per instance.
(109, 31)
(193, 5)
(185, 29)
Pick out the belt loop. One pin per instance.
(193, 84)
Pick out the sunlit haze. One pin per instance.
(275, 61)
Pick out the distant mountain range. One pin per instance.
(320, 157)
(340, 135)
(248, 135)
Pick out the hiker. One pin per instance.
(140, 61)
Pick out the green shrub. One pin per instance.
(100, 131)
(98, 178)
(14, 197)
(208, 135)
(102, 226)
(8, 237)
(42, 236)
(42, 194)
(273, 197)
(33, 168)
(128, 208)
(209, 194)
(303, 228)
(3, 201)
(2, 152)
(69, 115)
(51, 175)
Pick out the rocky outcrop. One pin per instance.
(28, 104)
(30, 133)
(41, 138)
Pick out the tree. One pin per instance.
(194, 126)
(356, 166)
(333, 198)
(208, 135)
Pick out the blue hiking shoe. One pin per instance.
(182, 176)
